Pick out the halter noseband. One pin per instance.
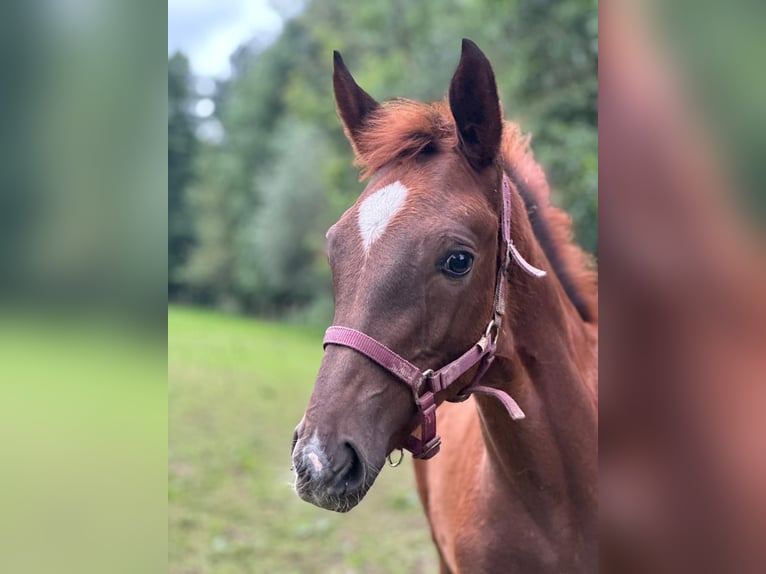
(426, 384)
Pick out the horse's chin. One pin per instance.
(330, 499)
(337, 503)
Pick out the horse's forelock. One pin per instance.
(403, 129)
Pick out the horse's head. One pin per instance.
(414, 264)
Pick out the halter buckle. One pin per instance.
(417, 389)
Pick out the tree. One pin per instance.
(182, 148)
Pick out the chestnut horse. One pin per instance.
(421, 272)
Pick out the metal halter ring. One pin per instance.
(486, 339)
(493, 326)
(393, 464)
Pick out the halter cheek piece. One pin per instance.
(426, 384)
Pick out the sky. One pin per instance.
(208, 31)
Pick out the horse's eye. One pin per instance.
(457, 264)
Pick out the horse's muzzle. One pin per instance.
(332, 477)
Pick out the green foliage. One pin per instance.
(559, 91)
(264, 195)
(213, 199)
(236, 389)
(182, 147)
(283, 235)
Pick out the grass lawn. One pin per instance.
(237, 388)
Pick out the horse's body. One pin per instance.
(415, 268)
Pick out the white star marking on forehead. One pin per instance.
(376, 211)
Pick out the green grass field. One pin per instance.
(237, 388)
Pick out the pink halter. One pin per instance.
(426, 384)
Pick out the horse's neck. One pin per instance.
(547, 362)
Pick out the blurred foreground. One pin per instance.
(83, 402)
(83, 409)
(683, 290)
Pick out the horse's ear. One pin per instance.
(476, 107)
(352, 102)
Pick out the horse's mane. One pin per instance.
(552, 226)
(403, 129)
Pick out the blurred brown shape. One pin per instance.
(683, 295)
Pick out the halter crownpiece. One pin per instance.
(426, 384)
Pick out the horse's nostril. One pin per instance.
(295, 440)
(352, 475)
